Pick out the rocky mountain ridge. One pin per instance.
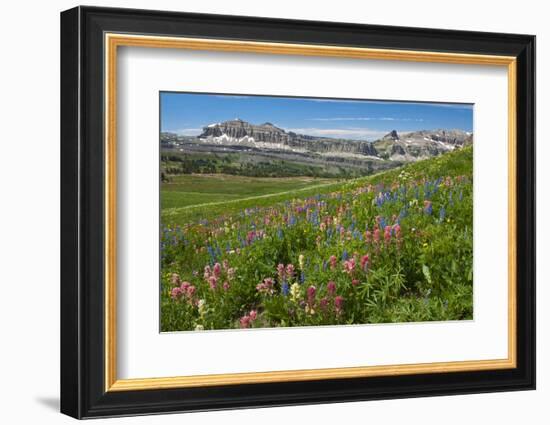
(242, 135)
(269, 136)
(421, 144)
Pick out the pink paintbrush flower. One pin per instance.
(290, 270)
(339, 304)
(349, 266)
(368, 236)
(281, 272)
(311, 291)
(176, 293)
(387, 234)
(376, 235)
(331, 287)
(207, 272)
(397, 230)
(364, 262)
(217, 269)
(266, 286)
(213, 282)
(245, 321)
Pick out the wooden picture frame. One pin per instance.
(90, 39)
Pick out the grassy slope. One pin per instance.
(193, 197)
(190, 197)
(429, 278)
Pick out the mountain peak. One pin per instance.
(409, 146)
(392, 135)
(239, 129)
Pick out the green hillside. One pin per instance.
(391, 247)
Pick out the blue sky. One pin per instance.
(188, 113)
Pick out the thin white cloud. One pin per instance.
(343, 133)
(187, 131)
(365, 119)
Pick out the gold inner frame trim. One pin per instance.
(113, 41)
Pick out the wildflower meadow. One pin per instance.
(391, 247)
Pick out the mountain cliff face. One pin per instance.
(420, 144)
(268, 136)
(240, 135)
(241, 131)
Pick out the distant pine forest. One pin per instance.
(240, 165)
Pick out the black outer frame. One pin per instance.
(82, 212)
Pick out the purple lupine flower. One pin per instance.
(428, 207)
(285, 288)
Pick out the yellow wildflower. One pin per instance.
(295, 292)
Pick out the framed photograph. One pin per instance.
(261, 212)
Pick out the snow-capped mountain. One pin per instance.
(268, 136)
(422, 144)
(241, 135)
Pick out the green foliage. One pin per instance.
(256, 165)
(393, 247)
